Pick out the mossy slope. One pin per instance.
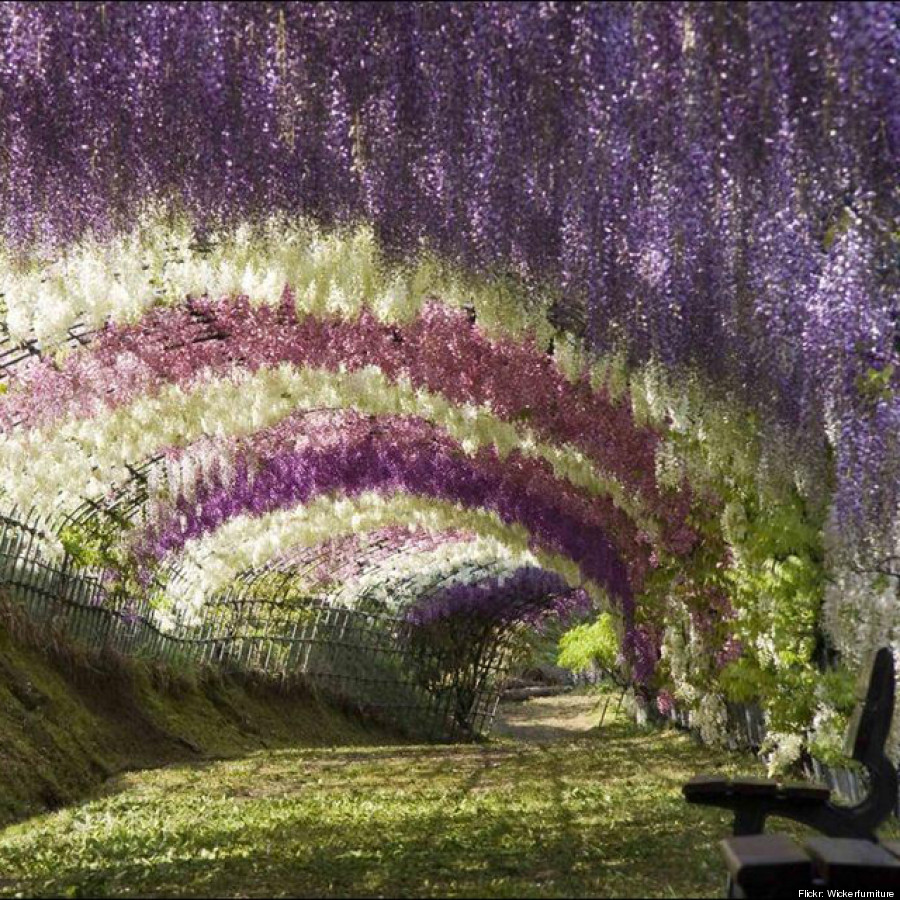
(68, 721)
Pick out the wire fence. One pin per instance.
(370, 660)
(746, 730)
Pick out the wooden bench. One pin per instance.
(753, 800)
(765, 866)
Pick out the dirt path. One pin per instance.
(547, 719)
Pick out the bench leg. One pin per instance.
(750, 820)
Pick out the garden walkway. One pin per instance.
(542, 719)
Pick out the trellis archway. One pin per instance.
(625, 275)
(127, 464)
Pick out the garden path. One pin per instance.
(546, 719)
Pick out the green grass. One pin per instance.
(542, 812)
(69, 720)
(597, 816)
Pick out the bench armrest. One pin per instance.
(712, 788)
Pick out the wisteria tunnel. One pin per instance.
(350, 343)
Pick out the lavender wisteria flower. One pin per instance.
(701, 198)
(695, 177)
(523, 596)
(408, 457)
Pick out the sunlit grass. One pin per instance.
(599, 815)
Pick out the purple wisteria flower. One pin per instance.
(525, 595)
(710, 185)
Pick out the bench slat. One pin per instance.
(705, 786)
(767, 865)
(848, 863)
(814, 793)
(754, 787)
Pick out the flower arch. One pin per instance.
(157, 438)
(637, 259)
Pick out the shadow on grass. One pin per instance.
(474, 851)
(601, 815)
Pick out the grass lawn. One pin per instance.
(551, 813)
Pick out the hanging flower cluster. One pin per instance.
(341, 565)
(613, 285)
(405, 576)
(210, 563)
(523, 595)
(715, 184)
(401, 457)
(383, 572)
(130, 379)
